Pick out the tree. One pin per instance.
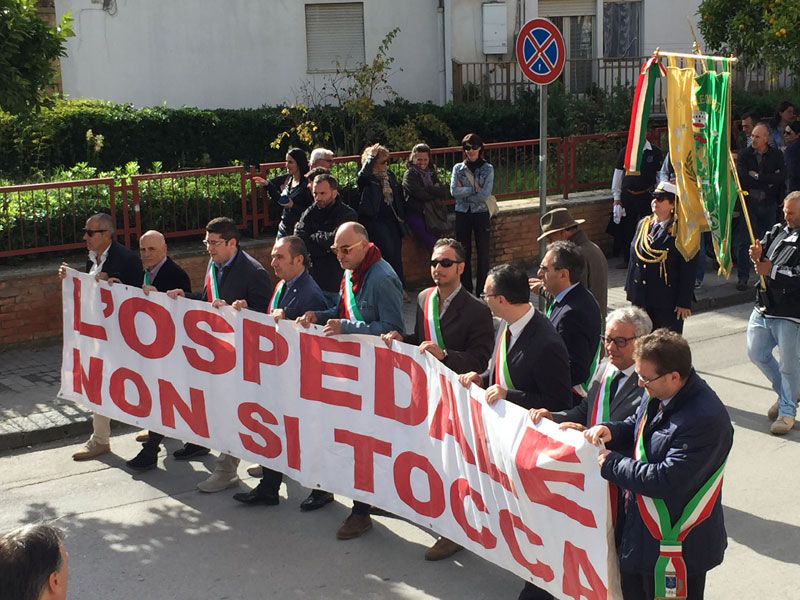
(758, 32)
(28, 47)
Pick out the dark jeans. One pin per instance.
(636, 586)
(762, 216)
(361, 508)
(386, 236)
(467, 224)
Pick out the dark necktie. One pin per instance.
(615, 385)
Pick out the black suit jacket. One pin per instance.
(539, 367)
(577, 320)
(170, 276)
(244, 279)
(302, 296)
(623, 404)
(122, 263)
(467, 330)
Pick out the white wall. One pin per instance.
(231, 53)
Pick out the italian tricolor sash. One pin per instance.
(582, 389)
(601, 409)
(640, 112)
(349, 300)
(670, 569)
(147, 278)
(501, 375)
(276, 295)
(212, 287)
(433, 332)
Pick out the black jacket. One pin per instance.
(782, 298)
(416, 194)
(170, 276)
(577, 320)
(771, 174)
(122, 263)
(244, 279)
(301, 199)
(317, 228)
(371, 204)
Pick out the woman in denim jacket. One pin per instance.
(472, 215)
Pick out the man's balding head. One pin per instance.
(759, 138)
(152, 248)
(351, 244)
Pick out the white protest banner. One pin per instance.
(391, 427)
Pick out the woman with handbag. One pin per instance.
(471, 186)
(381, 206)
(426, 215)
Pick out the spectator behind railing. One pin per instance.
(421, 186)
(791, 156)
(784, 115)
(290, 190)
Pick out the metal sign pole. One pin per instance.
(542, 171)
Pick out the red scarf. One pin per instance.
(356, 275)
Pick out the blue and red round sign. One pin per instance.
(540, 51)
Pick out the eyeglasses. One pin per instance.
(91, 232)
(213, 243)
(545, 268)
(485, 296)
(445, 262)
(648, 381)
(468, 147)
(619, 342)
(344, 250)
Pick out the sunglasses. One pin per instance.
(661, 198)
(344, 250)
(445, 262)
(467, 147)
(91, 232)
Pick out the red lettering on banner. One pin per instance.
(97, 332)
(386, 361)
(364, 449)
(291, 425)
(534, 479)
(271, 447)
(116, 389)
(509, 523)
(446, 421)
(485, 463)
(164, 327)
(224, 353)
(459, 490)
(313, 368)
(194, 416)
(403, 465)
(576, 562)
(108, 301)
(252, 354)
(90, 386)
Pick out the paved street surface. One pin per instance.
(152, 535)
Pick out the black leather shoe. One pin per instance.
(253, 497)
(144, 461)
(316, 499)
(190, 451)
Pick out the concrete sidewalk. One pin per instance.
(30, 412)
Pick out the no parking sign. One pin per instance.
(540, 51)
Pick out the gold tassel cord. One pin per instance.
(646, 253)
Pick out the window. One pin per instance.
(334, 33)
(621, 22)
(578, 32)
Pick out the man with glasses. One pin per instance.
(108, 259)
(370, 303)
(454, 327)
(320, 157)
(679, 439)
(232, 275)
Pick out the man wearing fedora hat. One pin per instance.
(558, 225)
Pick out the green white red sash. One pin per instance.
(147, 278)
(601, 410)
(349, 300)
(502, 377)
(651, 70)
(670, 569)
(582, 389)
(276, 295)
(433, 331)
(212, 287)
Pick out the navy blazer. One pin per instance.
(685, 443)
(577, 320)
(122, 263)
(538, 366)
(171, 276)
(245, 279)
(304, 295)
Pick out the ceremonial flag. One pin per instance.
(640, 113)
(690, 218)
(717, 187)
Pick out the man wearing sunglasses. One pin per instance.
(679, 438)
(370, 303)
(454, 327)
(107, 259)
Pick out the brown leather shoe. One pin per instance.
(143, 436)
(443, 548)
(91, 450)
(354, 526)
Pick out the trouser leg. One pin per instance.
(101, 429)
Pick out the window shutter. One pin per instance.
(334, 32)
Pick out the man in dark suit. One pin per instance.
(679, 437)
(232, 275)
(574, 311)
(108, 259)
(161, 274)
(294, 294)
(530, 366)
(454, 327)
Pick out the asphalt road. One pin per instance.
(152, 535)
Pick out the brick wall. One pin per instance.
(30, 298)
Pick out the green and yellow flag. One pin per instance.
(717, 187)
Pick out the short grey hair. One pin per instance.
(642, 324)
(319, 154)
(106, 220)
